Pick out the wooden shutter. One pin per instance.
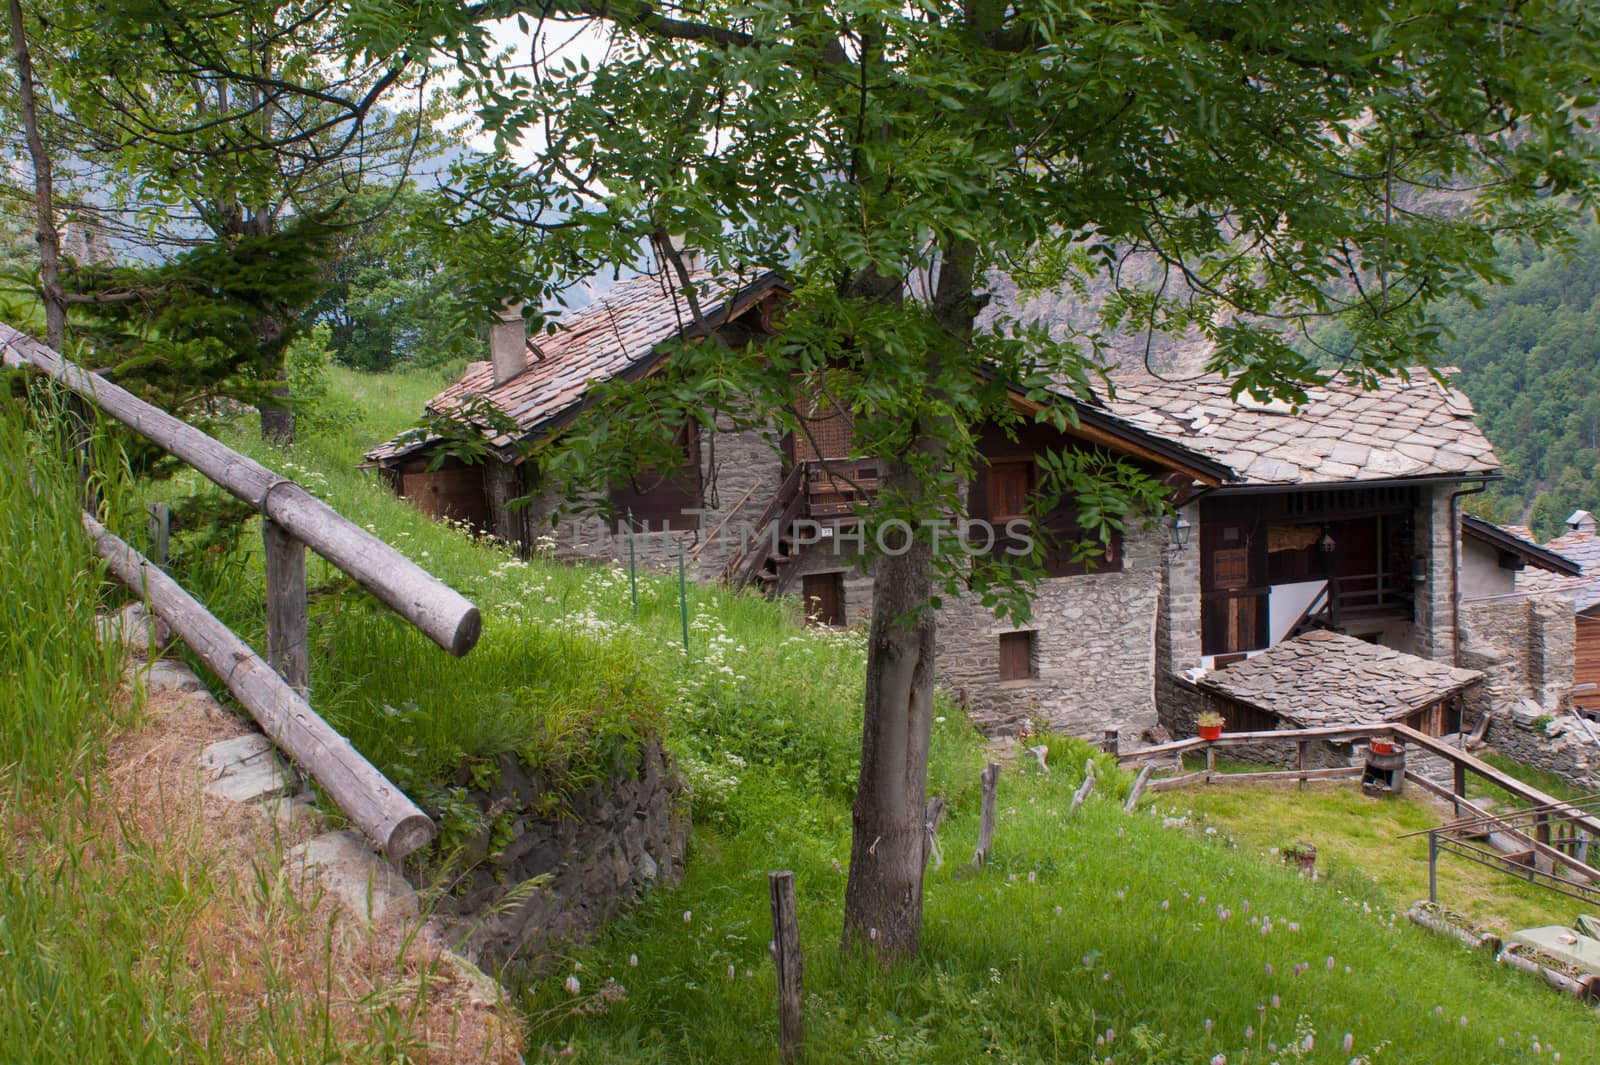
(1016, 656)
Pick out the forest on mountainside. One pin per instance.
(1529, 356)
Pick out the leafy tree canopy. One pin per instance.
(897, 157)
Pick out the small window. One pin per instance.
(823, 595)
(1017, 658)
(1010, 484)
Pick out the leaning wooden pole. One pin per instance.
(366, 796)
(790, 966)
(442, 614)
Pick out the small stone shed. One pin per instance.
(1325, 678)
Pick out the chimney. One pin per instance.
(1581, 521)
(508, 342)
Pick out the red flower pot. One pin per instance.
(1210, 732)
(1382, 747)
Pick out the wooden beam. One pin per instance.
(1585, 873)
(1500, 780)
(375, 805)
(991, 787)
(416, 595)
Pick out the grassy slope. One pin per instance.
(765, 719)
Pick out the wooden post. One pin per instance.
(160, 531)
(991, 788)
(287, 648)
(1111, 741)
(1082, 794)
(1138, 788)
(1460, 790)
(1211, 762)
(786, 956)
(1300, 762)
(933, 819)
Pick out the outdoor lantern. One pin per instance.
(1419, 570)
(1325, 542)
(1180, 531)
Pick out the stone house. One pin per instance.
(1339, 516)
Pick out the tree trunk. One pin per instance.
(44, 225)
(277, 420)
(883, 896)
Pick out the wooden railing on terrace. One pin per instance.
(292, 519)
(1559, 827)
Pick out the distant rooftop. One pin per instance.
(1402, 428)
(1327, 678)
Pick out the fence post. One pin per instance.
(1111, 741)
(287, 650)
(1300, 762)
(1433, 866)
(1460, 787)
(160, 531)
(786, 956)
(991, 787)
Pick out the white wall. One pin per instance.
(1285, 604)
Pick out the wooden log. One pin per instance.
(1139, 783)
(376, 806)
(1577, 988)
(440, 612)
(1086, 788)
(1300, 762)
(1169, 783)
(287, 649)
(1485, 941)
(786, 956)
(991, 790)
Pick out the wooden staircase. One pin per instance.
(823, 491)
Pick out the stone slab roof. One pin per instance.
(1406, 427)
(1581, 547)
(1327, 678)
(618, 332)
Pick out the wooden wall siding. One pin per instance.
(456, 494)
(664, 500)
(1240, 717)
(1017, 658)
(1586, 662)
(1002, 488)
(1233, 576)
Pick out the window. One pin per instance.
(1010, 484)
(1018, 660)
(663, 499)
(823, 596)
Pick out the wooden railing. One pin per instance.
(1558, 826)
(293, 519)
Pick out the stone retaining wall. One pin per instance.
(1558, 745)
(611, 841)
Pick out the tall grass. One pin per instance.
(58, 679)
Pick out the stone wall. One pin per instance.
(1177, 642)
(740, 470)
(1435, 610)
(1525, 645)
(613, 840)
(1094, 649)
(1558, 745)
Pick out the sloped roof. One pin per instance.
(1503, 538)
(1401, 429)
(1327, 678)
(618, 333)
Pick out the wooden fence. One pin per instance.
(292, 519)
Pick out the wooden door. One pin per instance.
(1233, 591)
(823, 595)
